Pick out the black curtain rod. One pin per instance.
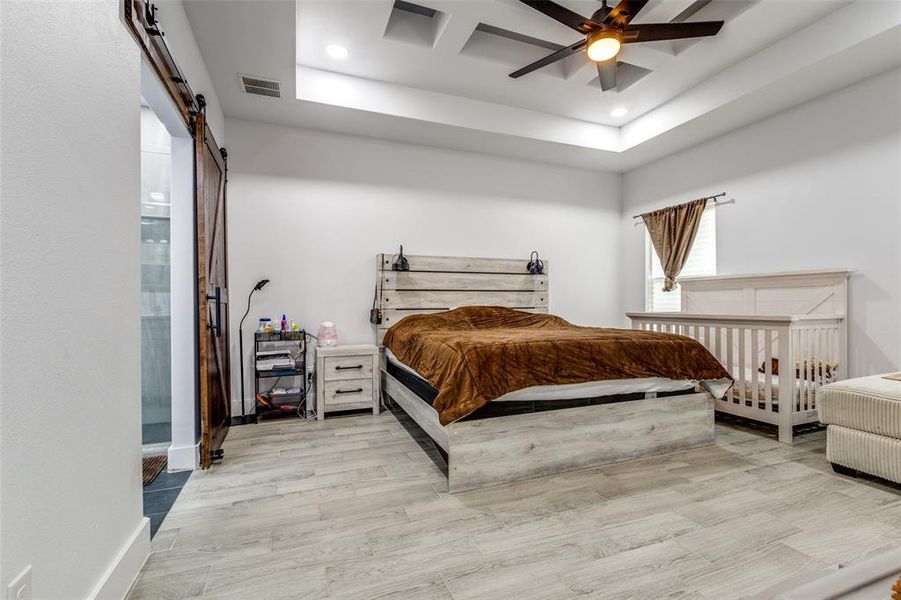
(708, 198)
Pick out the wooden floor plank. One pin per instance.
(357, 507)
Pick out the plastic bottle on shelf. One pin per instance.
(284, 323)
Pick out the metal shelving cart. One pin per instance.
(270, 398)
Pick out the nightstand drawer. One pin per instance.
(351, 391)
(339, 368)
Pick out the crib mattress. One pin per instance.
(871, 404)
(810, 389)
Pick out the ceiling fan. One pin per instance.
(605, 32)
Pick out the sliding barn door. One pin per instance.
(212, 279)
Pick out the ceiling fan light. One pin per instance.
(603, 48)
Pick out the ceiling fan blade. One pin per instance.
(583, 25)
(607, 74)
(669, 31)
(550, 58)
(624, 12)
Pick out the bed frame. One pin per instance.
(499, 450)
(747, 320)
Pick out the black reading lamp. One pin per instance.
(260, 285)
(400, 262)
(536, 265)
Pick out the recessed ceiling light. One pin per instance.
(619, 112)
(336, 51)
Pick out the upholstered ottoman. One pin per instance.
(864, 426)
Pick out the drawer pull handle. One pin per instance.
(356, 391)
(342, 368)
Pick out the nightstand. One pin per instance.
(347, 378)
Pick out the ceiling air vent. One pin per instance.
(260, 86)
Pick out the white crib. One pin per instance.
(798, 319)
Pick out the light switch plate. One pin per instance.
(20, 587)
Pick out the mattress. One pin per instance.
(810, 388)
(476, 354)
(591, 389)
(871, 404)
(423, 390)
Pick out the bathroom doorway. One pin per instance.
(156, 322)
(169, 384)
(170, 426)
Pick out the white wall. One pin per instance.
(310, 211)
(818, 186)
(70, 444)
(183, 46)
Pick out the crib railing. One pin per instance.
(777, 362)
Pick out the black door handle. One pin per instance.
(217, 324)
(356, 391)
(342, 368)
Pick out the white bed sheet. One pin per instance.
(592, 389)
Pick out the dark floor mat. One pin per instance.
(151, 467)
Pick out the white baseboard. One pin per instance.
(184, 458)
(121, 574)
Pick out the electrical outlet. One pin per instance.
(20, 587)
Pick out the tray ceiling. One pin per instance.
(436, 71)
(467, 48)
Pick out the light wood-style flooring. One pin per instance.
(354, 507)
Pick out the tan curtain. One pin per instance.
(673, 231)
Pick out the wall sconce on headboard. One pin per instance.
(401, 263)
(536, 265)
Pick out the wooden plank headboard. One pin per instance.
(438, 283)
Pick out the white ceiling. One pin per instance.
(442, 79)
(476, 65)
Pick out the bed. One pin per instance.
(755, 324)
(503, 421)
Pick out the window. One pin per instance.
(701, 262)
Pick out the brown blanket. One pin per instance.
(475, 354)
